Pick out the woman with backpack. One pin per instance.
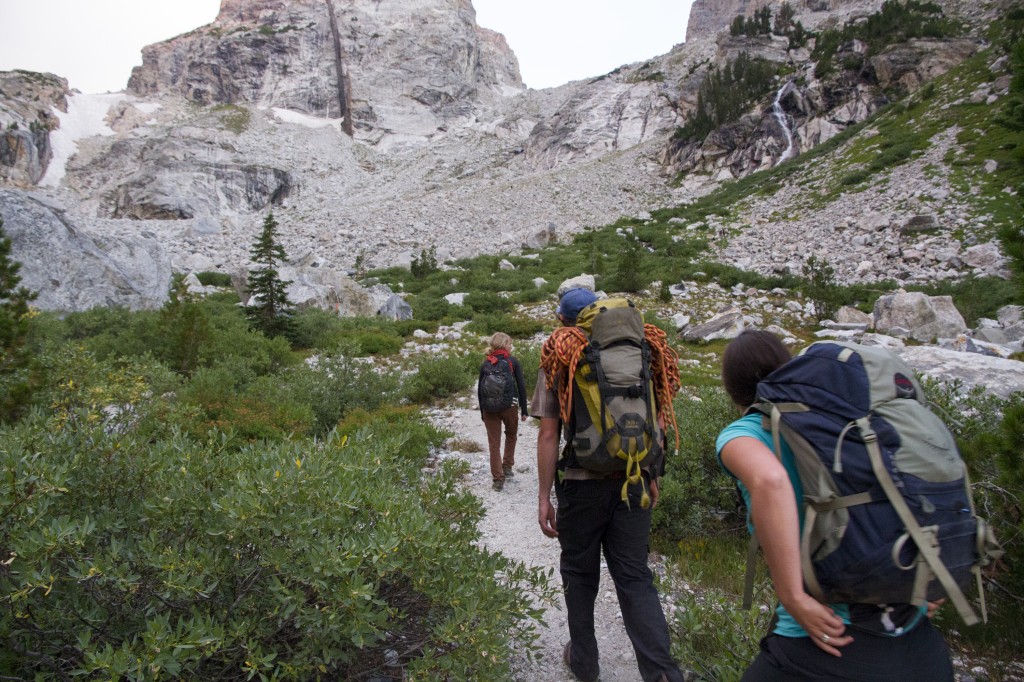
(810, 640)
(501, 393)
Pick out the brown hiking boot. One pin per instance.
(508, 472)
(498, 485)
(567, 660)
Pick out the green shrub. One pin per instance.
(441, 377)
(78, 388)
(232, 341)
(183, 559)
(425, 264)
(338, 382)
(989, 431)
(487, 302)
(855, 177)
(378, 343)
(15, 320)
(184, 327)
(698, 498)
(214, 279)
(425, 308)
(631, 274)
(115, 332)
(512, 325)
(316, 329)
(529, 359)
(713, 637)
(821, 287)
(230, 398)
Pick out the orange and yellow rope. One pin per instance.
(561, 353)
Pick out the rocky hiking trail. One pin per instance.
(510, 526)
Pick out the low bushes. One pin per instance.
(441, 377)
(697, 496)
(187, 558)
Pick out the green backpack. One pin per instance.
(614, 424)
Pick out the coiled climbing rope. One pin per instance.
(561, 353)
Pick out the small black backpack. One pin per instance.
(497, 385)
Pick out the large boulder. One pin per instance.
(324, 288)
(727, 324)
(996, 375)
(72, 269)
(918, 316)
(580, 282)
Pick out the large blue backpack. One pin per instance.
(888, 513)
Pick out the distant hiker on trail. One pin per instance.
(606, 482)
(501, 392)
(810, 640)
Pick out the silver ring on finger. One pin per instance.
(825, 638)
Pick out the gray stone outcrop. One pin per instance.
(997, 375)
(727, 324)
(919, 316)
(408, 67)
(27, 104)
(81, 269)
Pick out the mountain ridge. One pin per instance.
(469, 170)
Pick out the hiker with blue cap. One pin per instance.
(572, 302)
(596, 512)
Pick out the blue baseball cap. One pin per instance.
(573, 301)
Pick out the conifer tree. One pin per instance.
(631, 275)
(184, 327)
(14, 321)
(269, 309)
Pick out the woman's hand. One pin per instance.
(823, 626)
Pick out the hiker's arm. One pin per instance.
(517, 373)
(774, 513)
(547, 462)
(479, 392)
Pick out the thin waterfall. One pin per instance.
(783, 122)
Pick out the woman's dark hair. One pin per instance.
(748, 358)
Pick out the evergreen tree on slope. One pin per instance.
(14, 321)
(269, 309)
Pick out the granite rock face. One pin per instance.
(402, 67)
(27, 107)
(709, 17)
(83, 269)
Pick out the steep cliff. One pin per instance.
(27, 104)
(405, 67)
(709, 17)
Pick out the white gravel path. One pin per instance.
(510, 526)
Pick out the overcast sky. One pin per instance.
(95, 43)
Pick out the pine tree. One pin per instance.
(631, 275)
(269, 309)
(14, 324)
(184, 327)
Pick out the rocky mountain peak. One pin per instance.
(406, 66)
